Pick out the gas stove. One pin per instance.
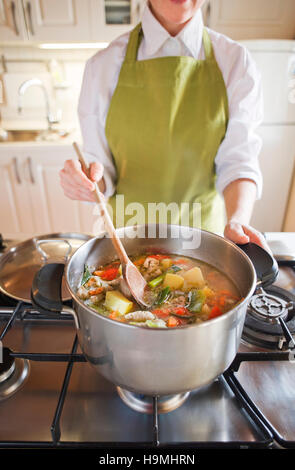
(50, 397)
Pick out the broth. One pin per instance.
(180, 290)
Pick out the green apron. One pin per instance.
(166, 121)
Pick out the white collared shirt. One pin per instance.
(237, 156)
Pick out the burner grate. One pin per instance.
(262, 323)
(267, 432)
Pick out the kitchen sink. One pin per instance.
(32, 135)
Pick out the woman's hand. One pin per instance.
(76, 184)
(241, 234)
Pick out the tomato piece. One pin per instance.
(109, 274)
(161, 313)
(172, 322)
(140, 261)
(215, 312)
(181, 311)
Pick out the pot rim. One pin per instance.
(197, 325)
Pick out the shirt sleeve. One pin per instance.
(237, 156)
(95, 144)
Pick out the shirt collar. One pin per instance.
(155, 35)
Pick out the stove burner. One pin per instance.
(144, 403)
(262, 327)
(13, 373)
(269, 307)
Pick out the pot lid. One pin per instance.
(20, 263)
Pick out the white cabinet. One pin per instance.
(67, 20)
(15, 212)
(58, 20)
(256, 19)
(12, 25)
(32, 201)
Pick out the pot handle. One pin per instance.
(46, 290)
(264, 263)
(46, 287)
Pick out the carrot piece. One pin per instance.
(91, 282)
(172, 322)
(99, 290)
(222, 301)
(159, 257)
(97, 273)
(180, 261)
(139, 261)
(114, 315)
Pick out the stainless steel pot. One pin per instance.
(161, 361)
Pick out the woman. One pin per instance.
(168, 113)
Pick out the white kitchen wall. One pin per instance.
(61, 71)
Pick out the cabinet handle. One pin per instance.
(29, 12)
(16, 171)
(30, 166)
(12, 5)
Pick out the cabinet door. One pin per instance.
(252, 19)
(58, 20)
(52, 210)
(16, 219)
(276, 160)
(12, 27)
(111, 18)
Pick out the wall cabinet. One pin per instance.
(12, 25)
(32, 200)
(253, 19)
(45, 20)
(67, 20)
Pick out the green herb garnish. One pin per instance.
(163, 296)
(196, 300)
(173, 268)
(86, 275)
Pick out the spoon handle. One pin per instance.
(107, 219)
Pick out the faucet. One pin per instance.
(51, 119)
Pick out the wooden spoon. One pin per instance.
(133, 278)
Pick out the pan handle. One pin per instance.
(46, 290)
(264, 264)
(44, 255)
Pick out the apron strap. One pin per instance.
(135, 38)
(207, 43)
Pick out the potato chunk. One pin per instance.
(174, 281)
(166, 263)
(116, 301)
(194, 277)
